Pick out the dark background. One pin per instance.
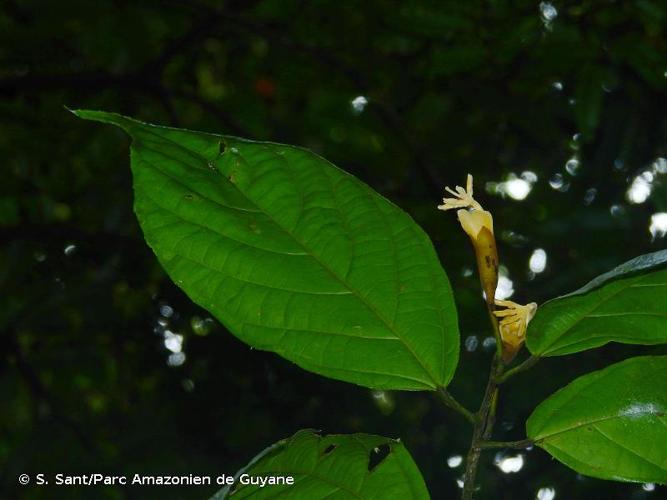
(493, 88)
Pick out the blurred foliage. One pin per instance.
(491, 87)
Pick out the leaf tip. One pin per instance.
(102, 116)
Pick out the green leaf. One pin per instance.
(295, 256)
(610, 424)
(627, 305)
(332, 467)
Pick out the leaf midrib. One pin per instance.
(579, 425)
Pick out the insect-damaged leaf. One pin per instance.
(295, 256)
(332, 467)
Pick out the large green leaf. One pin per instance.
(332, 467)
(295, 256)
(627, 304)
(610, 424)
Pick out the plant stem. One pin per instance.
(517, 445)
(496, 330)
(452, 403)
(485, 419)
(525, 365)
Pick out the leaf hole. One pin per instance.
(377, 455)
(222, 147)
(189, 196)
(329, 449)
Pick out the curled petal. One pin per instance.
(456, 193)
(514, 310)
(462, 197)
(449, 203)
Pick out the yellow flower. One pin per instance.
(478, 225)
(463, 197)
(514, 321)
